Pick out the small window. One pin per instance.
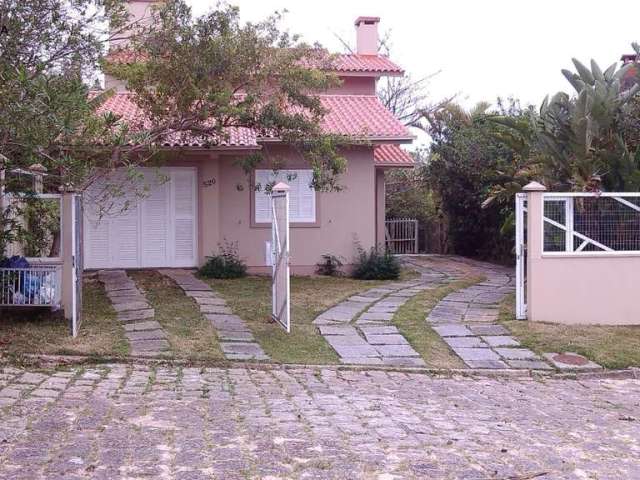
(302, 197)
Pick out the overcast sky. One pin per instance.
(483, 48)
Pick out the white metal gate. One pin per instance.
(521, 256)
(77, 262)
(281, 308)
(401, 235)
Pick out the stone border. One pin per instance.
(235, 337)
(145, 335)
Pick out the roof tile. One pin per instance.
(391, 155)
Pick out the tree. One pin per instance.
(201, 76)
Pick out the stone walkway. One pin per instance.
(236, 340)
(360, 328)
(145, 335)
(467, 321)
(113, 422)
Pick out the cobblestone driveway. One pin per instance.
(137, 422)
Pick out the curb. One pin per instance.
(59, 361)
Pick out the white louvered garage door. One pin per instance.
(157, 230)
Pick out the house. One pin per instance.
(207, 200)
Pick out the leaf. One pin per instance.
(584, 72)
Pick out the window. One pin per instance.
(302, 197)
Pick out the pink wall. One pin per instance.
(354, 86)
(593, 289)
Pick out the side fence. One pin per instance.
(401, 235)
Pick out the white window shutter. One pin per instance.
(302, 198)
(184, 206)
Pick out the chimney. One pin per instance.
(367, 35)
(140, 15)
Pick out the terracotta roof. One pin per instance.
(354, 63)
(391, 155)
(361, 116)
(342, 63)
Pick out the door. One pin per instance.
(521, 256)
(156, 226)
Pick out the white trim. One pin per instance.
(591, 194)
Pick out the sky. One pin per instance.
(482, 48)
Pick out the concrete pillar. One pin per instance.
(67, 254)
(535, 210)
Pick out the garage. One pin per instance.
(142, 220)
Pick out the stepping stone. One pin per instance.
(345, 340)
(246, 356)
(517, 353)
(376, 316)
(361, 299)
(130, 306)
(140, 326)
(501, 341)
(231, 336)
(486, 364)
(489, 330)
(121, 293)
(390, 339)
(379, 330)
(571, 361)
(365, 350)
(377, 309)
(529, 364)
(334, 316)
(464, 342)
(336, 330)
(453, 330)
(136, 315)
(404, 362)
(475, 354)
(361, 360)
(251, 350)
(397, 351)
(137, 298)
(209, 301)
(220, 309)
(149, 345)
(145, 335)
(200, 293)
(227, 322)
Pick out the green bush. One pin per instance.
(330, 266)
(226, 264)
(376, 264)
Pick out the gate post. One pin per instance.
(67, 284)
(535, 211)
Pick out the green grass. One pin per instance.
(609, 346)
(38, 331)
(411, 321)
(190, 335)
(250, 298)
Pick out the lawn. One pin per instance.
(37, 331)
(250, 298)
(411, 321)
(611, 347)
(190, 335)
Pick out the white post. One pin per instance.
(281, 308)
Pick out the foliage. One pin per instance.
(202, 76)
(330, 266)
(376, 264)
(226, 264)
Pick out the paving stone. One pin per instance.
(486, 364)
(238, 348)
(145, 335)
(396, 351)
(130, 306)
(149, 345)
(136, 315)
(227, 322)
(361, 360)
(452, 330)
(501, 341)
(31, 378)
(387, 339)
(489, 330)
(245, 356)
(376, 316)
(365, 350)
(529, 364)
(140, 326)
(342, 340)
(200, 293)
(362, 299)
(476, 354)
(404, 361)
(235, 336)
(220, 309)
(209, 301)
(516, 353)
(379, 330)
(468, 342)
(336, 330)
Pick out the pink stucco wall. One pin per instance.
(593, 289)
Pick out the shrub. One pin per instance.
(330, 266)
(226, 264)
(376, 264)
